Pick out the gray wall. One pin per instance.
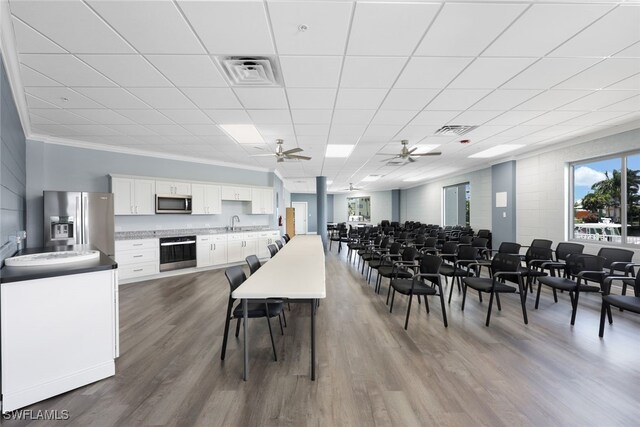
(312, 209)
(63, 168)
(503, 220)
(395, 205)
(329, 207)
(13, 175)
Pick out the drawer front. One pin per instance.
(274, 234)
(219, 238)
(137, 257)
(251, 235)
(129, 245)
(235, 237)
(204, 238)
(138, 270)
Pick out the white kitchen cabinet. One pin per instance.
(266, 238)
(205, 199)
(133, 196)
(173, 187)
(235, 248)
(262, 201)
(211, 250)
(137, 258)
(236, 193)
(250, 244)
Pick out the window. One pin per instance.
(359, 209)
(456, 206)
(602, 211)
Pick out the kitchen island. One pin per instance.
(59, 327)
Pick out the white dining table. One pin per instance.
(297, 274)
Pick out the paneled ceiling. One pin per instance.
(146, 76)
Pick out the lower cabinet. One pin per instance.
(137, 258)
(265, 239)
(211, 250)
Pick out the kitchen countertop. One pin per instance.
(19, 274)
(150, 234)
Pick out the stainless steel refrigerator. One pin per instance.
(75, 218)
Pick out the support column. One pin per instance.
(395, 205)
(321, 197)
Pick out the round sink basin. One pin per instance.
(51, 258)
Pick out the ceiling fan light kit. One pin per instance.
(282, 155)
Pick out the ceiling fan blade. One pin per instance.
(295, 156)
(263, 155)
(411, 160)
(293, 150)
(391, 158)
(412, 150)
(431, 153)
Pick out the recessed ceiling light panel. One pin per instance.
(496, 151)
(338, 150)
(371, 178)
(243, 134)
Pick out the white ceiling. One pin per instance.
(143, 75)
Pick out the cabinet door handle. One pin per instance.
(214, 246)
(136, 209)
(137, 256)
(131, 210)
(137, 244)
(137, 270)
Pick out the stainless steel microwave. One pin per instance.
(172, 203)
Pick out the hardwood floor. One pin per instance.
(370, 370)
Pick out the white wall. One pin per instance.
(380, 205)
(542, 185)
(424, 203)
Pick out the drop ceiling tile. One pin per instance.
(416, 133)
(553, 118)
(514, 118)
(181, 117)
(262, 98)
(434, 118)
(505, 99)
(310, 71)
(275, 117)
(37, 120)
(632, 51)
(302, 117)
(475, 117)
(33, 102)
(29, 40)
(548, 72)
(66, 69)
(408, 99)
(522, 130)
(60, 117)
(631, 83)
(62, 97)
(347, 130)
(127, 70)
(599, 99)
(276, 131)
(552, 99)
(490, 73)
(352, 117)
(389, 28)
(371, 72)
(447, 36)
(169, 130)
(380, 133)
(434, 72)
(101, 116)
(65, 22)
(230, 27)
(91, 130)
(603, 74)
(614, 32)
(31, 77)
(366, 99)
(311, 98)
(543, 27)
(212, 98)
(133, 130)
(327, 25)
(313, 130)
(457, 99)
(53, 130)
(145, 117)
(229, 117)
(151, 27)
(203, 130)
(628, 105)
(594, 118)
(393, 117)
(112, 97)
(189, 70)
(163, 97)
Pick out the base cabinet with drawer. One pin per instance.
(137, 258)
(266, 238)
(211, 250)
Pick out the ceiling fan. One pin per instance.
(283, 155)
(408, 155)
(352, 188)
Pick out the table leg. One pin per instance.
(245, 310)
(313, 340)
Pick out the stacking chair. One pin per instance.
(398, 268)
(286, 238)
(279, 244)
(374, 252)
(557, 265)
(617, 262)
(340, 236)
(426, 282)
(365, 253)
(465, 240)
(464, 256)
(580, 268)
(429, 246)
(383, 257)
(235, 276)
(273, 250)
(253, 262)
(504, 268)
(623, 302)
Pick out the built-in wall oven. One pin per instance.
(177, 252)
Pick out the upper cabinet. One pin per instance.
(173, 187)
(205, 199)
(262, 201)
(133, 196)
(236, 193)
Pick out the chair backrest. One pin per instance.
(509, 248)
(253, 262)
(409, 254)
(286, 238)
(384, 223)
(403, 236)
(479, 242)
(484, 233)
(433, 232)
(430, 242)
(384, 242)
(450, 248)
(564, 249)
(466, 252)
(636, 285)
(505, 262)
(235, 276)
(584, 262)
(419, 239)
(466, 240)
(395, 247)
(273, 250)
(612, 255)
(538, 253)
(430, 264)
(279, 244)
(541, 243)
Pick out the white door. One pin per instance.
(301, 217)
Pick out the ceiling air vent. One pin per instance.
(250, 70)
(454, 130)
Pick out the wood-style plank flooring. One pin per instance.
(370, 370)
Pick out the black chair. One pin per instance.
(366, 252)
(617, 262)
(273, 250)
(235, 276)
(623, 302)
(374, 252)
(426, 282)
(384, 257)
(286, 238)
(465, 240)
(579, 269)
(534, 258)
(464, 256)
(253, 262)
(504, 267)
(398, 268)
(562, 252)
(279, 244)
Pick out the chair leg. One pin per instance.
(284, 318)
(480, 296)
(426, 303)
(555, 295)
(603, 312)
(226, 330)
(442, 306)
(388, 293)
(464, 295)
(238, 326)
(393, 295)
(273, 343)
(609, 314)
(575, 307)
(538, 294)
(280, 320)
(489, 310)
(523, 302)
(498, 302)
(406, 320)
(450, 292)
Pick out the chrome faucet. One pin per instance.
(233, 222)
